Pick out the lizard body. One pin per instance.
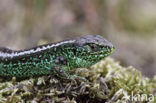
(54, 59)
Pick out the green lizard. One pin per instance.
(54, 59)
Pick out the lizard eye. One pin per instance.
(93, 47)
(90, 48)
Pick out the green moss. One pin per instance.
(107, 81)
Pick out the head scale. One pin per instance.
(96, 39)
(92, 48)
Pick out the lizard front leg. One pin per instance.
(61, 71)
(63, 74)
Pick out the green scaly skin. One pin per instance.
(54, 59)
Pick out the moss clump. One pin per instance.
(106, 81)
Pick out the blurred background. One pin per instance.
(129, 24)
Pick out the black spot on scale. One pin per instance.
(74, 51)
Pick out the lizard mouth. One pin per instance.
(109, 51)
(104, 53)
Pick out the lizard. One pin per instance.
(55, 58)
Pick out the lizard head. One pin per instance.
(93, 48)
